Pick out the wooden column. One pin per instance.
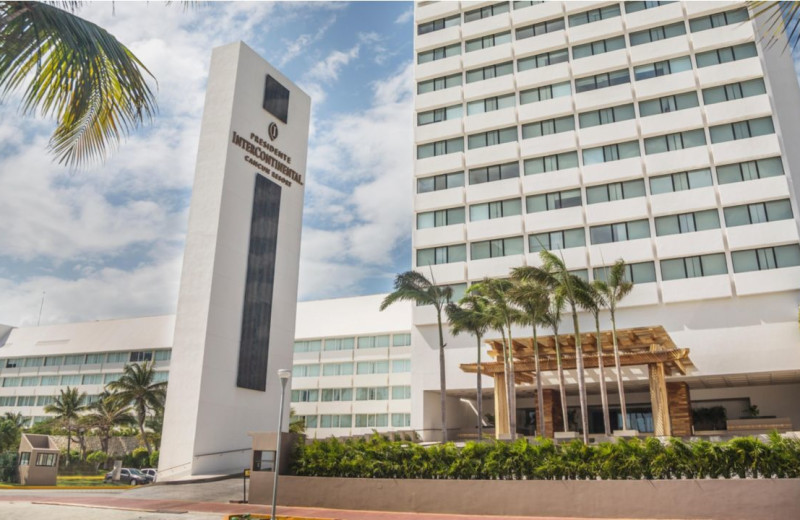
(552, 412)
(500, 407)
(680, 409)
(658, 399)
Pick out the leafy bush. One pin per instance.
(98, 458)
(8, 466)
(138, 458)
(378, 457)
(154, 459)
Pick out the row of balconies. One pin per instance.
(371, 354)
(105, 368)
(337, 407)
(353, 381)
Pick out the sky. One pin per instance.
(107, 242)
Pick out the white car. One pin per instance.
(150, 472)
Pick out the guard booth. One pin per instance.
(38, 460)
(262, 465)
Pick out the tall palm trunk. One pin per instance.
(603, 390)
(512, 414)
(561, 388)
(442, 382)
(479, 401)
(617, 365)
(69, 441)
(507, 372)
(539, 396)
(581, 379)
(140, 416)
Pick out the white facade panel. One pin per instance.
(703, 288)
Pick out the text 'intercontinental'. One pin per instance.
(262, 151)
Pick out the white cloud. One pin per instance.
(405, 16)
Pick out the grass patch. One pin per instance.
(86, 482)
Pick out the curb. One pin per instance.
(23, 488)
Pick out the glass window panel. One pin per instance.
(714, 264)
(596, 194)
(787, 256)
(667, 225)
(778, 210)
(601, 234)
(513, 246)
(539, 242)
(736, 216)
(721, 133)
(673, 269)
(593, 156)
(479, 250)
(758, 213)
(744, 261)
(706, 220)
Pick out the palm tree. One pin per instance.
(137, 387)
(555, 274)
(107, 413)
(503, 315)
(414, 287)
(614, 289)
(594, 302)
(16, 419)
(780, 19)
(67, 407)
(552, 318)
(75, 71)
(471, 315)
(533, 298)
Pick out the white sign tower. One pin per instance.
(238, 294)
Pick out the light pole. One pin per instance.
(284, 376)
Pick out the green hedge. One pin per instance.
(377, 457)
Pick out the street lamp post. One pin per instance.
(284, 375)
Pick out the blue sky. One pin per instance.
(108, 242)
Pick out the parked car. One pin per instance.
(151, 472)
(131, 476)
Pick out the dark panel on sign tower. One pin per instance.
(276, 99)
(257, 313)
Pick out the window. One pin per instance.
(667, 104)
(540, 28)
(657, 33)
(305, 370)
(401, 365)
(370, 420)
(160, 376)
(110, 378)
(24, 458)
(138, 357)
(612, 152)
(310, 421)
(491, 104)
(550, 163)
(680, 181)
(12, 363)
(441, 255)
(26, 400)
(440, 114)
(33, 362)
(10, 382)
(46, 459)
(598, 81)
(49, 381)
(380, 393)
(497, 172)
(263, 460)
(337, 369)
(496, 248)
(53, 361)
(339, 344)
(401, 392)
(438, 25)
(74, 360)
(337, 394)
(92, 379)
(440, 182)
(492, 210)
(693, 267)
(766, 258)
(741, 130)
(599, 47)
(718, 20)
(314, 345)
(642, 272)
(97, 359)
(551, 201)
(542, 60)
(305, 396)
(29, 381)
(620, 232)
(739, 90)
(442, 217)
(606, 116)
(163, 355)
(335, 421)
(440, 148)
(526, 3)
(401, 340)
(432, 85)
(672, 142)
(116, 357)
(71, 380)
(544, 93)
(726, 55)
(555, 240)
(548, 127)
(687, 222)
(492, 138)
(372, 367)
(439, 53)
(594, 15)
(485, 42)
(662, 68)
(756, 213)
(490, 71)
(615, 191)
(632, 7)
(44, 400)
(8, 400)
(486, 12)
(381, 341)
(750, 170)
(401, 420)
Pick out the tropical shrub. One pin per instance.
(138, 458)
(153, 459)
(98, 458)
(634, 459)
(8, 466)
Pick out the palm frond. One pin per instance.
(76, 72)
(780, 21)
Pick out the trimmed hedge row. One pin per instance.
(378, 457)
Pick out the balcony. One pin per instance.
(754, 191)
(772, 280)
(604, 97)
(724, 36)
(435, 10)
(553, 220)
(660, 50)
(671, 122)
(437, 99)
(497, 227)
(765, 234)
(642, 294)
(438, 131)
(451, 162)
(605, 62)
(690, 244)
(502, 118)
(539, 44)
(695, 9)
(573, 257)
(494, 267)
(547, 75)
(495, 190)
(609, 133)
(483, 57)
(594, 30)
(746, 149)
(536, 13)
(730, 72)
(497, 154)
(604, 212)
(485, 26)
(551, 181)
(438, 68)
(639, 250)
(612, 171)
(548, 144)
(664, 85)
(545, 109)
(439, 38)
(489, 87)
(431, 237)
(662, 15)
(700, 288)
(683, 201)
(439, 199)
(445, 273)
(738, 109)
(677, 161)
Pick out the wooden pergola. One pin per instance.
(651, 346)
